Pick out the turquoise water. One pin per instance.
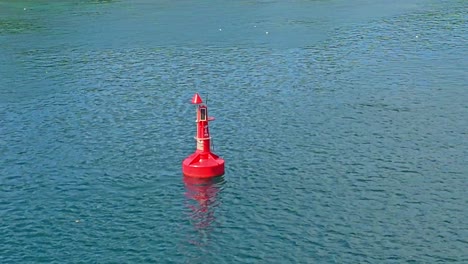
(343, 126)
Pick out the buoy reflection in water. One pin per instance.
(202, 200)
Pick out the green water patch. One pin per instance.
(18, 26)
(32, 16)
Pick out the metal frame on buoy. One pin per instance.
(203, 163)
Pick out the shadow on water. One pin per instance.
(202, 201)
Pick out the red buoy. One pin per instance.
(203, 163)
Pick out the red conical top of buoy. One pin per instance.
(203, 163)
(196, 99)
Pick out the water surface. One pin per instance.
(343, 126)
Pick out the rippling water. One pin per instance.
(343, 126)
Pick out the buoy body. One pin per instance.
(203, 163)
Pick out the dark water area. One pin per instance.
(343, 125)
